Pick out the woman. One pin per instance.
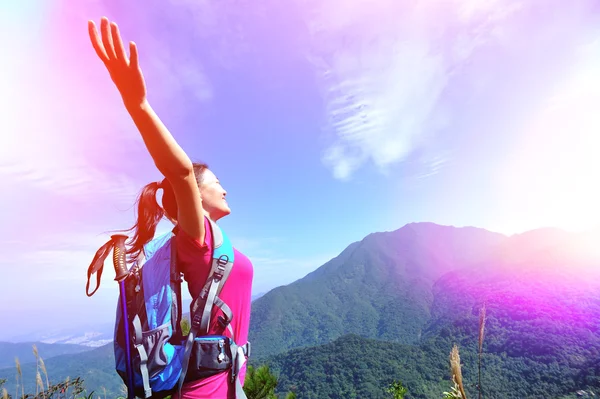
(191, 194)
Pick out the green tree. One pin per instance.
(397, 390)
(260, 383)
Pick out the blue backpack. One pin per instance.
(152, 355)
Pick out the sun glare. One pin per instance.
(553, 176)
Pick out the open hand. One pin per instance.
(125, 72)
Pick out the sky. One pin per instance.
(325, 121)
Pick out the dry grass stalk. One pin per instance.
(19, 376)
(39, 383)
(481, 327)
(4, 393)
(67, 380)
(481, 336)
(43, 368)
(37, 371)
(18, 367)
(456, 372)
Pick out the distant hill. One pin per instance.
(380, 287)
(24, 351)
(77, 334)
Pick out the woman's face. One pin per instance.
(213, 196)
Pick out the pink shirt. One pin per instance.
(195, 260)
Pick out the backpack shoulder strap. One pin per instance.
(176, 279)
(221, 265)
(222, 257)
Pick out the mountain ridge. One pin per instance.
(394, 271)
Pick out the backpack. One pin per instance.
(152, 355)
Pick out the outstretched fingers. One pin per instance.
(96, 42)
(133, 54)
(107, 39)
(116, 39)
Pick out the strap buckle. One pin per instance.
(221, 262)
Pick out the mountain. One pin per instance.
(24, 351)
(540, 290)
(380, 287)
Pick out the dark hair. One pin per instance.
(150, 213)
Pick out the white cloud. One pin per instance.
(48, 278)
(383, 67)
(73, 179)
(177, 74)
(433, 166)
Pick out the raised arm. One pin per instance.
(168, 156)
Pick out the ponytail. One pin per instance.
(150, 213)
